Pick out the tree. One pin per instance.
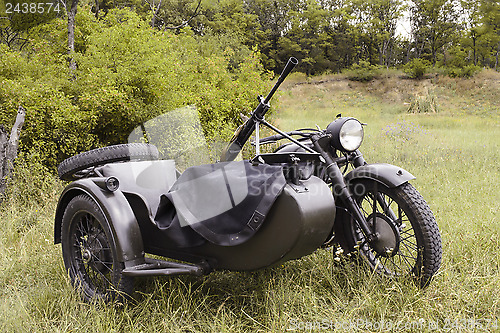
(171, 14)
(434, 25)
(155, 6)
(472, 19)
(383, 16)
(306, 38)
(273, 21)
(491, 25)
(71, 7)
(343, 34)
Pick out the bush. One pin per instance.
(127, 73)
(31, 185)
(467, 71)
(363, 72)
(416, 68)
(458, 63)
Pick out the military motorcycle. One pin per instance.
(143, 209)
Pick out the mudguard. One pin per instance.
(118, 213)
(387, 174)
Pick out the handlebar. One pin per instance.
(242, 136)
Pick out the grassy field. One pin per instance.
(454, 153)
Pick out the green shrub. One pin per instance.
(363, 72)
(467, 71)
(127, 73)
(457, 63)
(416, 68)
(31, 184)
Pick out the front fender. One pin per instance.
(117, 211)
(387, 174)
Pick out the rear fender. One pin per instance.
(119, 217)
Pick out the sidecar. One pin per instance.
(243, 215)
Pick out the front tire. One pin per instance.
(89, 253)
(407, 222)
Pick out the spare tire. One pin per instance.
(100, 156)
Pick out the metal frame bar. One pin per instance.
(265, 123)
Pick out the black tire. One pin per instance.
(69, 168)
(418, 252)
(90, 254)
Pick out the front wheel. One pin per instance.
(409, 242)
(89, 253)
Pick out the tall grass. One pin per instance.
(452, 153)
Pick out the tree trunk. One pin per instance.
(496, 57)
(154, 10)
(474, 46)
(97, 9)
(408, 49)
(153, 20)
(3, 146)
(8, 150)
(71, 33)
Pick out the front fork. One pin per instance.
(339, 187)
(358, 161)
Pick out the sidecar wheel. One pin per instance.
(412, 232)
(69, 168)
(89, 253)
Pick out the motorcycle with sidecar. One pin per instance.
(129, 207)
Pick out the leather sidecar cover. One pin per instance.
(225, 203)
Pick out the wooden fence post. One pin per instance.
(8, 149)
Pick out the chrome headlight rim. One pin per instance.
(347, 138)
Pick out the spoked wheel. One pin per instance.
(89, 253)
(409, 242)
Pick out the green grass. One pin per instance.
(454, 155)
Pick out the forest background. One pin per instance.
(88, 71)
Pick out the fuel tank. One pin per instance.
(299, 222)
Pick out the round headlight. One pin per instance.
(347, 134)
